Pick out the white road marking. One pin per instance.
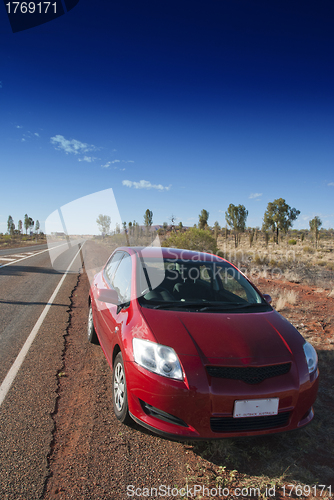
(10, 377)
(6, 258)
(31, 255)
(16, 255)
(27, 257)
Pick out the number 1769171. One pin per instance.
(31, 7)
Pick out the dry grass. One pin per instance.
(286, 297)
(281, 255)
(292, 276)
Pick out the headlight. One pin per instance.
(311, 357)
(157, 358)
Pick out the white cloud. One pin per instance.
(72, 146)
(145, 185)
(27, 136)
(107, 165)
(115, 161)
(19, 126)
(255, 195)
(330, 184)
(89, 159)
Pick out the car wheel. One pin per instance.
(119, 392)
(91, 333)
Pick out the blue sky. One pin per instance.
(175, 105)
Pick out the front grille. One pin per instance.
(230, 424)
(248, 374)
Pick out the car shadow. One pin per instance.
(20, 270)
(27, 303)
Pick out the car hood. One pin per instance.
(242, 339)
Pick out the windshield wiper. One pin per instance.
(233, 306)
(184, 304)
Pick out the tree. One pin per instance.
(180, 226)
(315, 225)
(148, 219)
(10, 225)
(235, 217)
(103, 222)
(251, 235)
(203, 219)
(172, 219)
(165, 227)
(216, 229)
(28, 223)
(279, 216)
(19, 227)
(37, 226)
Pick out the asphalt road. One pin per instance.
(30, 249)
(26, 424)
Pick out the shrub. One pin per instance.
(292, 242)
(200, 240)
(260, 261)
(308, 249)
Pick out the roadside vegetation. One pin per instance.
(26, 232)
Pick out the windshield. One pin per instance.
(197, 285)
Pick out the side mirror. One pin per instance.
(107, 295)
(267, 298)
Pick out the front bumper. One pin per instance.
(202, 407)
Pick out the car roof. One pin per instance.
(172, 253)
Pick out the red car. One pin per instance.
(196, 350)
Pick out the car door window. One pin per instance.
(122, 279)
(112, 266)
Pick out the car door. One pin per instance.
(103, 280)
(112, 315)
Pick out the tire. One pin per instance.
(91, 333)
(119, 391)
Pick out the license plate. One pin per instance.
(255, 408)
